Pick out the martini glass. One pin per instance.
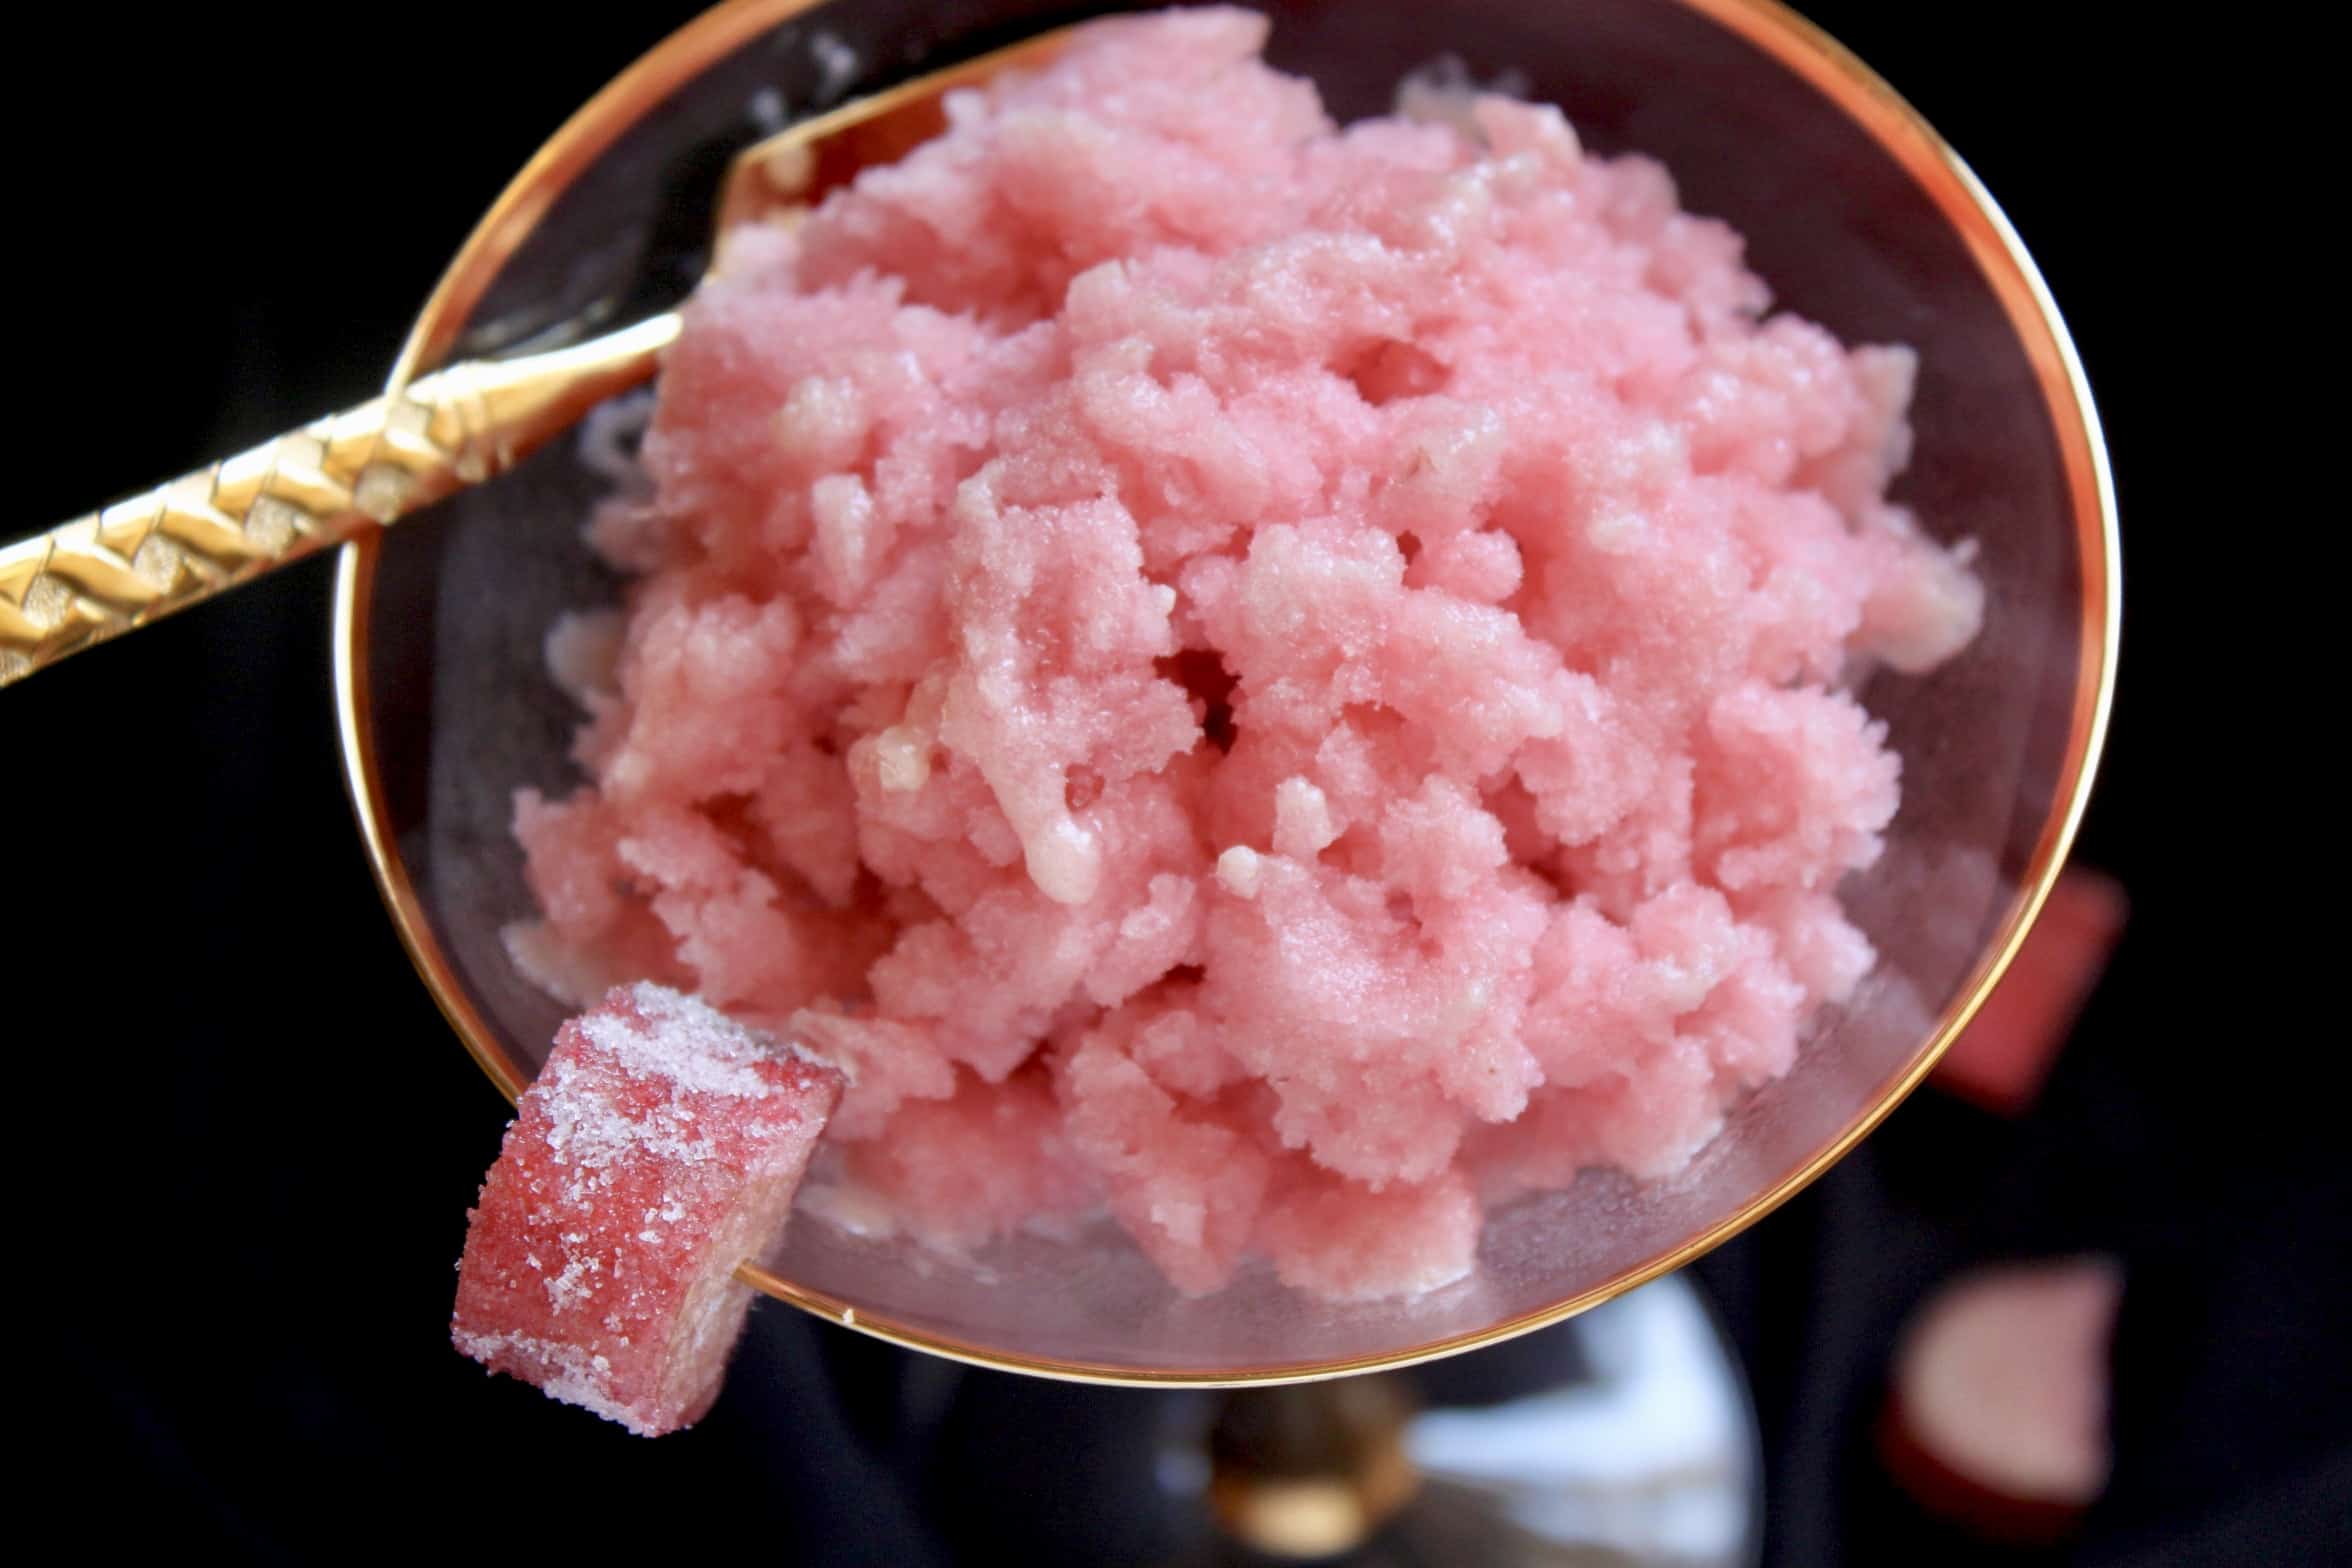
(1855, 212)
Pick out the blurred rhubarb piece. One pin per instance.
(2006, 1053)
(1997, 1418)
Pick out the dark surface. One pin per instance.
(254, 1141)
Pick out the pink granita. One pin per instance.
(1282, 681)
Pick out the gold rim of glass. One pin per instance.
(1790, 40)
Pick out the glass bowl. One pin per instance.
(1854, 211)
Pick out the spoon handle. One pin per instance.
(137, 560)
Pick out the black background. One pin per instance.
(252, 1140)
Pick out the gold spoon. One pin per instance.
(101, 575)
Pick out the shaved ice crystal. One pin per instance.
(660, 1146)
(1279, 682)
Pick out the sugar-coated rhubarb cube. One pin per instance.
(660, 1146)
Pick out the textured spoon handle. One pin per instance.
(101, 575)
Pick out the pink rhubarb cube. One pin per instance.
(2000, 1063)
(660, 1146)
